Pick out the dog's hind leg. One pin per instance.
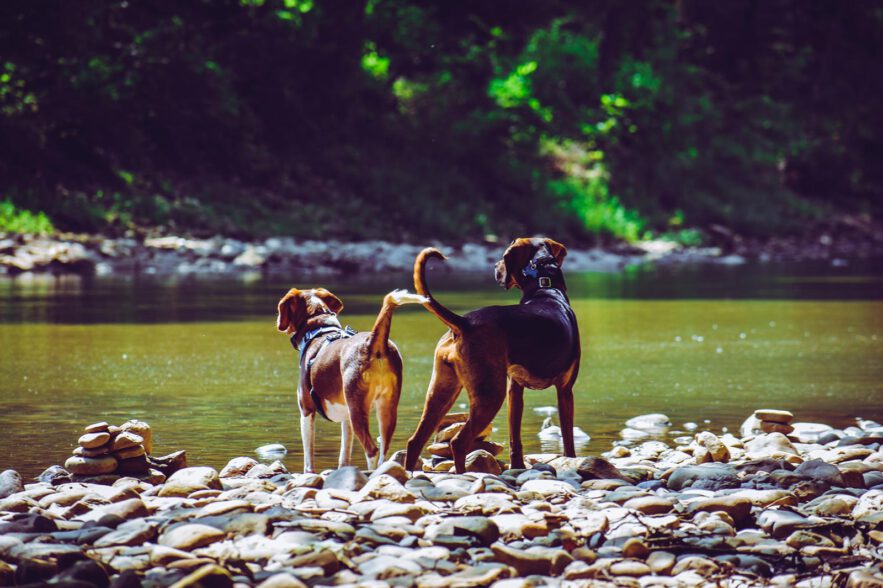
(346, 443)
(387, 414)
(307, 433)
(515, 395)
(565, 412)
(444, 387)
(486, 396)
(358, 403)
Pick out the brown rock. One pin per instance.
(135, 466)
(125, 440)
(141, 429)
(97, 452)
(776, 416)
(773, 427)
(739, 508)
(97, 428)
(90, 466)
(93, 440)
(131, 452)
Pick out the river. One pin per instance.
(200, 359)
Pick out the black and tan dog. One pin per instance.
(344, 374)
(534, 344)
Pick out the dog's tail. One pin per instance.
(380, 331)
(448, 317)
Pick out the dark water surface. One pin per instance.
(200, 359)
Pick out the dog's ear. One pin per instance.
(330, 300)
(291, 310)
(514, 260)
(559, 251)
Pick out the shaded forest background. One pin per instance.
(593, 121)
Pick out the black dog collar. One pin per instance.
(538, 267)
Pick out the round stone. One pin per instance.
(126, 439)
(141, 429)
(773, 415)
(130, 452)
(93, 440)
(83, 452)
(90, 466)
(97, 428)
(774, 427)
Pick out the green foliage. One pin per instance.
(418, 119)
(17, 220)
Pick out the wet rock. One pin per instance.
(10, 483)
(701, 565)
(126, 440)
(526, 563)
(651, 505)
(636, 548)
(189, 480)
(628, 567)
(708, 476)
(820, 471)
(782, 523)
(93, 440)
(716, 449)
(737, 507)
(393, 469)
(135, 532)
(588, 468)
(101, 427)
(649, 422)
(776, 416)
(141, 429)
(346, 478)
(55, 475)
(661, 562)
(190, 536)
(481, 528)
(91, 466)
(168, 464)
(484, 462)
(770, 427)
(768, 445)
(386, 488)
(208, 575)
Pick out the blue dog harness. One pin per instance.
(332, 333)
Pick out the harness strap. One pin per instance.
(332, 333)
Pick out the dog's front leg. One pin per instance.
(346, 443)
(307, 434)
(565, 412)
(515, 393)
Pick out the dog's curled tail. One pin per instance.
(380, 331)
(454, 321)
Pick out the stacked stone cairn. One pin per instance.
(106, 452)
(481, 459)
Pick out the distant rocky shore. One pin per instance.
(783, 504)
(167, 255)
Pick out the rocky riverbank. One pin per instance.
(167, 255)
(799, 506)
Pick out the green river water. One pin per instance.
(201, 361)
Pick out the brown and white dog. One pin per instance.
(498, 351)
(344, 374)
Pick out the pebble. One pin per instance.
(188, 480)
